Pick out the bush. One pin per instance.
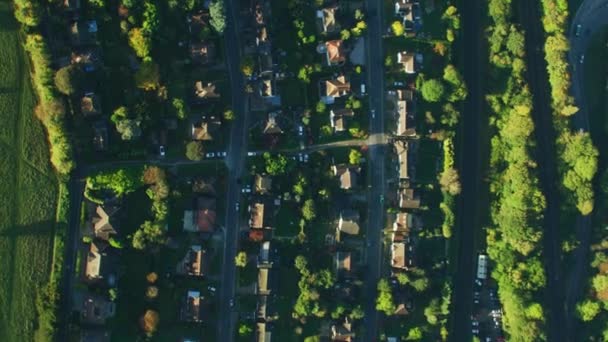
(194, 150)
(68, 80)
(432, 90)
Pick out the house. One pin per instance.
(83, 32)
(206, 128)
(258, 14)
(348, 223)
(403, 302)
(326, 18)
(100, 135)
(264, 256)
(202, 53)
(203, 92)
(257, 215)
(401, 148)
(347, 175)
(104, 222)
(259, 235)
(406, 125)
(262, 184)
(265, 65)
(404, 9)
(192, 263)
(262, 41)
(409, 199)
(191, 312)
(334, 88)
(202, 218)
(261, 308)
(261, 333)
(267, 88)
(398, 257)
(338, 118)
(403, 224)
(272, 124)
(334, 52)
(90, 104)
(342, 332)
(197, 23)
(99, 267)
(262, 284)
(88, 57)
(93, 309)
(407, 61)
(342, 261)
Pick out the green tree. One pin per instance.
(450, 182)
(240, 260)
(357, 313)
(420, 284)
(414, 334)
(354, 157)
(458, 88)
(345, 34)
(338, 312)
(384, 301)
(321, 107)
(148, 235)
(180, 108)
(308, 210)
(218, 16)
(275, 165)
(403, 278)
(147, 76)
(244, 330)
(397, 28)
(194, 150)
(432, 90)
(587, 310)
(229, 115)
(247, 65)
(140, 42)
(129, 129)
(68, 79)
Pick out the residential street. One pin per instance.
(377, 155)
(235, 161)
(592, 16)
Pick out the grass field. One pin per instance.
(28, 189)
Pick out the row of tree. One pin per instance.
(514, 239)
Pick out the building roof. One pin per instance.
(407, 60)
(94, 309)
(409, 199)
(202, 218)
(338, 87)
(205, 92)
(103, 221)
(98, 263)
(261, 333)
(405, 94)
(405, 123)
(398, 258)
(335, 52)
(401, 149)
(262, 184)
(192, 310)
(206, 128)
(346, 174)
(272, 124)
(263, 281)
(202, 52)
(404, 222)
(343, 261)
(261, 306)
(264, 256)
(100, 135)
(266, 88)
(342, 332)
(257, 215)
(337, 118)
(328, 19)
(90, 104)
(192, 263)
(349, 222)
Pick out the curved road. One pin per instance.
(592, 15)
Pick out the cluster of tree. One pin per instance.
(310, 285)
(218, 16)
(593, 308)
(276, 165)
(28, 12)
(127, 126)
(450, 187)
(450, 89)
(452, 18)
(385, 301)
(578, 163)
(517, 202)
(152, 233)
(120, 182)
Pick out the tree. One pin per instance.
(338, 312)
(420, 284)
(458, 88)
(129, 129)
(240, 260)
(587, 310)
(275, 165)
(384, 301)
(357, 313)
(147, 76)
(28, 12)
(247, 65)
(244, 330)
(403, 278)
(140, 42)
(345, 34)
(180, 108)
(149, 322)
(194, 150)
(308, 210)
(354, 157)
(414, 334)
(450, 181)
(229, 115)
(397, 28)
(68, 79)
(321, 107)
(148, 235)
(432, 90)
(218, 17)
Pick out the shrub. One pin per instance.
(194, 150)
(69, 79)
(432, 90)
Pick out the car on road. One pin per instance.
(222, 154)
(300, 130)
(373, 113)
(210, 155)
(251, 154)
(211, 288)
(581, 60)
(161, 150)
(231, 302)
(398, 84)
(237, 206)
(579, 29)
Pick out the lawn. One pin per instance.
(28, 191)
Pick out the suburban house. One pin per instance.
(347, 175)
(409, 199)
(262, 184)
(404, 223)
(264, 256)
(192, 263)
(99, 267)
(272, 124)
(201, 219)
(334, 52)
(407, 61)
(202, 53)
(103, 221)
(83, 32)
(342, 332)
(88, 57)
(262, 41)
(326, 18)
(406, 125)
(197, 23)
(258, 215)
(342, 261)
(334, 88)
(402, 151)
(93, 309)
(261, 310)
(265, 65)
(261, 333)
(90, 104)
(191, 311)
(262, 284)
(267, 88)
(205, 128)
(398, 257)
(348, 223)
(100, 135)
(203, 92)
(338, 118)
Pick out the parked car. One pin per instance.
(161, 150)
(579, 29)
(300, 130)
(222, 154)
(210, 155)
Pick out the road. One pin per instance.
(235, 161)
(470, 166)
(376, 172)
(593, 16)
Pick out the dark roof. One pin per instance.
(202, 53)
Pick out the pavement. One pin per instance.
(593, 16)
(377, 155)
(235, 161)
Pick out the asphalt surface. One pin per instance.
(470, 169)
(592, 15)
(546, 156)
(376, 172)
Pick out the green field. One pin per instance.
(28, 189)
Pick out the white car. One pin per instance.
(210, 155)
(582, 59)
(300, 130)
(161, 150)
(237, 206)
(373, 113)
(305, 158)
(211, 288)
(221, 154)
